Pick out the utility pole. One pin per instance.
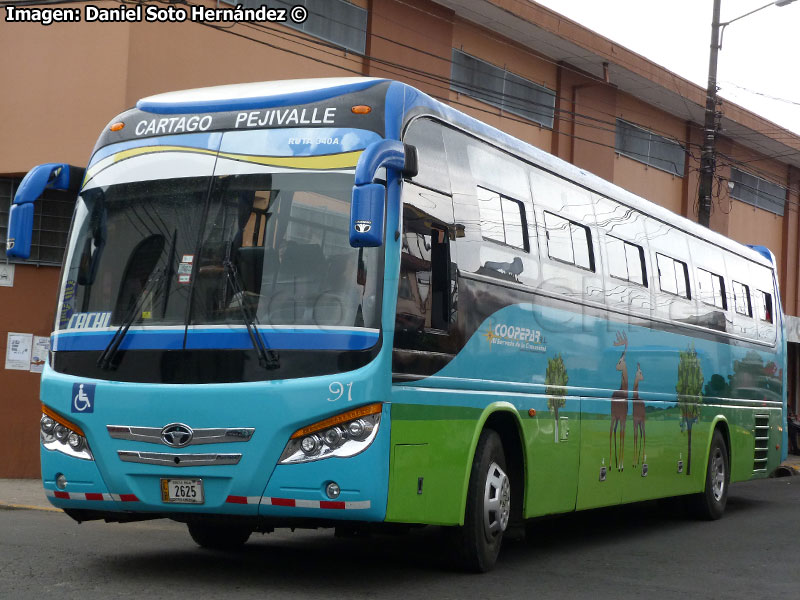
(708, 156)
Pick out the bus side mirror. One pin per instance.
(20, 217)
(366, 215)
(368, 205)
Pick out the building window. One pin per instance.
(335, 21)
(52, 216)
(673, 276)
(569, 242)
(711, 289)
(650, 148)
(758, 192)
(496, 86)
(502, 219)
(741, 299)
(626, 261)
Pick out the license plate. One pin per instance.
(182, 491)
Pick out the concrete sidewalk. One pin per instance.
(24, 493)
(29, 494)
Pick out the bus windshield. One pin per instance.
(205, 251)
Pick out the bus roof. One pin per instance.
(567, 170)
(243, 96)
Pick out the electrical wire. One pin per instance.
(444, 84)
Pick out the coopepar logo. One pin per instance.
(363, 226)
(511, 336)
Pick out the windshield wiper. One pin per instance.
(267, 358)
(104, 362)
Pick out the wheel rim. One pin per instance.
(717, 474)
(496, 502)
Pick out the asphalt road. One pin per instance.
(645, 550)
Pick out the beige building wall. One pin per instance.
(59, 90)
(488, 46)
(649, 182)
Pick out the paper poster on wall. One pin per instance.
(41, 346)
(18, 351)
(7, 274)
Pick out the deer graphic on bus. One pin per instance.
(639, 417)
(619, 408)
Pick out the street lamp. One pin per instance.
(708, 156)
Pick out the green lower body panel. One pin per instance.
(428, 463)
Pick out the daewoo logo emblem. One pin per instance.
(177, 435)
(363, 226)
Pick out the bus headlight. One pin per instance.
(344, 435)
(60, 435)
(310, 444)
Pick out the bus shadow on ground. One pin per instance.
(276, 559)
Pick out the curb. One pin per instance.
(4, 506)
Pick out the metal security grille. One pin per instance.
(51, 220)
(758, 192)
(649, 148)
(335, 21)
(496, 86)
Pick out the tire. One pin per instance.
(488, 507)
(218, 536)
(710, 503)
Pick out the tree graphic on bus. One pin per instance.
(690, 384)
(556, 379)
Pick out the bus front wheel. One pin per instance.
(488, 506)
(218, 536)
(710, 503)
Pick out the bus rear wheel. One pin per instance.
(710, 503)
(218, 536)
(488, 506)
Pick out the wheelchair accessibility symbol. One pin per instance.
(83, 397)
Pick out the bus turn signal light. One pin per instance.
(370, 409)
(361, 109)
(58, 419)
(117, 126)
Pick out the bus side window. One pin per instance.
(569, 242)
(741, 299)
(764, 306)
(624, 251)
(765, 303)
(495, 234)
(503, 220)
(426, 136)
(674, 289)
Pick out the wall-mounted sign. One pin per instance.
(41, 346)
(6, 275)
(18, 351)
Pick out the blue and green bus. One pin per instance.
(342, 303)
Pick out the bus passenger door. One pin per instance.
(431, 428)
